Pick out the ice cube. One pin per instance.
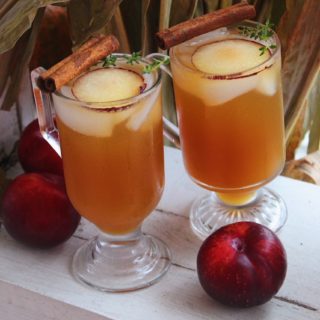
(216, 92)
(138, 118)
(268, 82)
(67, 92)
(98, 123)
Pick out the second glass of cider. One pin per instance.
(230, 113)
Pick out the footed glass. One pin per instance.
(230, 112)
(113, 165)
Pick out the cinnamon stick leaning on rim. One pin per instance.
(191, 28)
(87, 55)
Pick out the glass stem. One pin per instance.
(116, 242)
(237, 199)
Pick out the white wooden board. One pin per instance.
(37, 284)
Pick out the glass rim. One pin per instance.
(238, 75)
(120, 104)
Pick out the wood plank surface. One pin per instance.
(37, 284)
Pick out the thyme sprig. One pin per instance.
(156, 64)
(109, 61)
(260, 32)
(136, 57)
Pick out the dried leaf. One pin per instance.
(257, 4)
(6, 5)
(225, 3)
(167, 88)
(145, 34)
(149, 25)
(117, 27)
(278, 9)
(306, 169)
(301, 40)
(297, 135)
(314, 105)
(288, 22)
(18, 20)
(22, 56)
(53, 41)
(4, 70)
(132, 18)
(119, 30)
(211, 5)
(165, 12)
(264, 12)
(89, 16)
(169, 110)
(182, 10)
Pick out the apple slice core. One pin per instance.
(228, 56)
(108, 84)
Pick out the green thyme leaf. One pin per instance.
(135, 57)
(109, 61)
(262, 32)
(156, 64)
(263, 50)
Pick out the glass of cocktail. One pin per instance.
(230, 112)
(110, 130)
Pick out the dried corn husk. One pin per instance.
(306, 169)
(16, 19)
(19, 62)
(300, 38)
(89, 16)
(297, 135)
(314, 120)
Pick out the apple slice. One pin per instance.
(108, 84)
(228, 56)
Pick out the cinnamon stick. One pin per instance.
(86, 45)
(87, 55)
(191, 28)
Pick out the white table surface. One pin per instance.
(37, 284)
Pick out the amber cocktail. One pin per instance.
(113, 161)
(230, 112)
(110, 127)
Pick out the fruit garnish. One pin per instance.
(108, 84)
(227, 57)
(260, 32)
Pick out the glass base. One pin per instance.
(209, 213)
(121, 264)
